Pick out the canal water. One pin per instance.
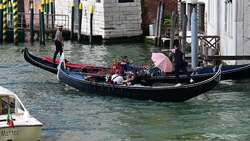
(69, 115)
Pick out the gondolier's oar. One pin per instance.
(60, 63)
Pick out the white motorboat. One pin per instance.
(16, 124)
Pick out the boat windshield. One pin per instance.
(10, 105)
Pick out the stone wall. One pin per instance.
(122, 19)
(111, 19)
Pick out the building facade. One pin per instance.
(112, 18)
(230, 19)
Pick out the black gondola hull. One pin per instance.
(233, 72)
(161, 94)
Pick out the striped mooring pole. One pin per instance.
(15, 21)
(5, 28)
(10, 11)
(80, 21)
(1, 21)
(32, 21)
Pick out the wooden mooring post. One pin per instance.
(184, 33)
(32, 21)
(91, 24)
(159, 20)
(41, 27)
(183, 25)
(52, 5)
(80, 21)
(47, 9)
(173, 28)
(72, 22)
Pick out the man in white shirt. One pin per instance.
(117, 79)
(58, 42)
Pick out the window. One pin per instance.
(7, 103)
(98, 1)
(123, 1)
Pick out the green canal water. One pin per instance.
(70, 115)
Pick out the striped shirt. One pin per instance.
(58, 36)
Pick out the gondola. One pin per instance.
(168, 93)
(233, 72)
(228, 72)
(47, 64)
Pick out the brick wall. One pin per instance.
(149, 11)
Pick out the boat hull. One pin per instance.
(161, 94)
(21, 133)
(230, 72)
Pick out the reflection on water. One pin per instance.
(70, 115)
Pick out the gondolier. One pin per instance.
(58, 42)
(179, 62)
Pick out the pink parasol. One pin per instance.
(162, 61)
